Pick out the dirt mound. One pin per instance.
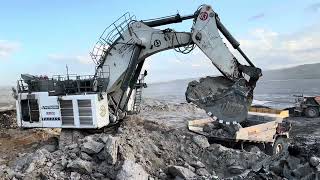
(15, 143)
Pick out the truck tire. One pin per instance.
(281, 144)
(268, 149)
(311, 112)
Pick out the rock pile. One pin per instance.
(94, 157)
(139, 150)
(217, 129)
(300, 161)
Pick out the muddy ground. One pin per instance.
(15, 142)
(155, 143)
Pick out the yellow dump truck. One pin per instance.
(265, 128)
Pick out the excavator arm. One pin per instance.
(124, 52)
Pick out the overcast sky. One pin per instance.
(41, 37)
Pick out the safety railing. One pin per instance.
(109, 36)
(22, 87)
(64, 84)
(71, 77)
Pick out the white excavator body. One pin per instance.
(69, 111)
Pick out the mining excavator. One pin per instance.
(95, 101)
(114, 90)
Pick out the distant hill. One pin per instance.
(306, 71)
(6, 99)
(275, 89)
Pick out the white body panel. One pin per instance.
(86, 111)
(210, 42)
(118, 59)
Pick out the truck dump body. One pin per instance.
(264, 126)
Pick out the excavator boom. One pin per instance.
(227, 97)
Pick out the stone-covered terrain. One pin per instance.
(148, 147)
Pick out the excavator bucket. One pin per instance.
(220, 97)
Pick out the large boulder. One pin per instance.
(50, 147)
(203, 172)
(110, 151)
(236, 169)
(201, 141)
(302, 171)
(197, 164)
(314, 161)
(92, 147)
(85, 156)
(81, 166)
(69, 136)
(28, 162)
(75, 176)
(107, 170)
(182, 172)
(132, 171)
(293, 162)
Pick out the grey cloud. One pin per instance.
(308, 50)
(315, 7)
(257, 17)
(82, 59)
(7, 48)
(271, 50)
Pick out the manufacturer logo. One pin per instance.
(50, 107)
(51, 119)
(50, 113)
(157, 43)
(103, 111)
(203, 16)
